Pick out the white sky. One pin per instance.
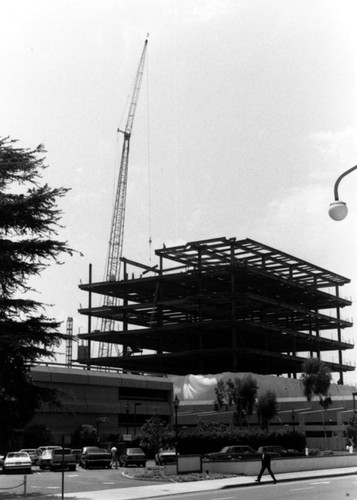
(246, 117)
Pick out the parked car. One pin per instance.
(278, 451)
(273, 451)
(62, 458)
(46, 457)
(93, 456)
(41, 449)
(33, 454)
(44, 460)
(132, 456)
(236, 452)
(77, 452)
(17, 461)
(295, 453)
(165, 457)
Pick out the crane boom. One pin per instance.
(112, 272)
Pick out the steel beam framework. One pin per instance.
(225, 305)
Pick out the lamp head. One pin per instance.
(337, 210)
(176, 402)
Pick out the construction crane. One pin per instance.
(112, 272)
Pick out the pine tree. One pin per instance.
(29, 220)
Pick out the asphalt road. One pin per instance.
(47, 482)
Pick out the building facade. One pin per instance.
(114, 403)
(117, 403)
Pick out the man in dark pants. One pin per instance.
(265, 465)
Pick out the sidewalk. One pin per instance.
(165, 489)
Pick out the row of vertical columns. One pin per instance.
(200, 308)
(89, 315)
(125, 303)
(233, 313)
(339, 334)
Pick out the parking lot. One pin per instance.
(46, 482)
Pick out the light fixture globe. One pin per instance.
(337, 210)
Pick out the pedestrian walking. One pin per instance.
(114, 452)
(349, 445)
(265, 465)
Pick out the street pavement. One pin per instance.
(164, 489)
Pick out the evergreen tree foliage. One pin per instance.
(221, 400)
(36, 435)
(241, 393)
(351, 430)
(29, 220)
(248, 390)
(316, 380)
(154, 435)
(267, 408)
(85, 435)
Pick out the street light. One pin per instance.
(338, 209)
(176, 405)
(354, 394)
(135, 405)
(293, 418)
(127, 417)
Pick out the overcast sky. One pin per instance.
(246, 117)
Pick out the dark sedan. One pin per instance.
(278, 451)
(132, 456)
(93, 456)
(236, 452)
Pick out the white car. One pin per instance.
(166, 457)
(17, 461)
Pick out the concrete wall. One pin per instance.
(278, 465)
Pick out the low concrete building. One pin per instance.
(321, 428)
(113, 402)
(117, 402)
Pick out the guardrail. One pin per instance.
(24, 484)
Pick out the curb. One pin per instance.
(288, 480)
(134, 478)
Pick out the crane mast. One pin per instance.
(112, 272)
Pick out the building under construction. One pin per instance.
(220, 305)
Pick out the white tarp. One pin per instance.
(201, 387)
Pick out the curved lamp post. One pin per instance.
(338, 209)
(293, 419)
(135, 406)
(126, 408)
